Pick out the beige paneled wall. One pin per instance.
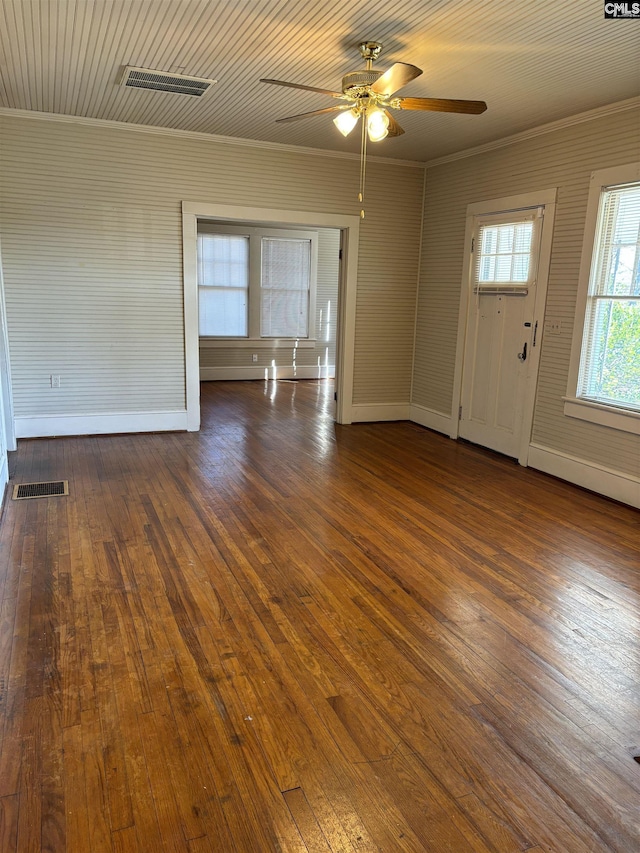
(91, 229)
(564, 159)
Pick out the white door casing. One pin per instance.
(500, 330)
(345, 342)
(7, 427)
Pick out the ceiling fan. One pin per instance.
(369, 95)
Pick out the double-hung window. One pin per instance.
(223, 284)
(605, 378)
(285, 282)
(256, 284)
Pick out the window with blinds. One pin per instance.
(223, 284)
(504, 253)
(284, 288)
(256, 283)
(610, 357)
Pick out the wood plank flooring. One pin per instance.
(280, 634)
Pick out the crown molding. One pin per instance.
(203, 137)
(540, 130)
(503, 142)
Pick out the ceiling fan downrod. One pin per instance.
(370, 51)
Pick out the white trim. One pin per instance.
(605, 481)
(462, 325)
(371, 412)
(430, 418)
(8, 422)
(512, 139)
(4, 477)
(255, 371)
(109, 423)
(599, 179)
(346, 329)
(539, 199)
(542, 281)
(418, 279)
(191, 329)
(521, 201)
(204, 137)
(598, 413)
(540, 130)
(350, 228)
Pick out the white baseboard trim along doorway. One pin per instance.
(431, 419)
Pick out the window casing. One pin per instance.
(256, 284)
(604, 384)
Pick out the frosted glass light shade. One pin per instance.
(377, 124)
(346, 121)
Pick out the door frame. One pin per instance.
(515, 203)
(349, 226)
(5, 371)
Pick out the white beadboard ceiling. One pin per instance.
(532, 62)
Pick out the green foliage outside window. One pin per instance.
(620, 367)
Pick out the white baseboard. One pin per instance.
(285, 371)
(431, 419)
(4, 477)
(369, 412)
(103, 424)
(613, 484)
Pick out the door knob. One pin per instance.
(523, 355)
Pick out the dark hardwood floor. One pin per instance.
(280, 634)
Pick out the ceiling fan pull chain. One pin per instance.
(363, 164)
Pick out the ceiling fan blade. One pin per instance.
(395, 78)
(316, 113)
(301, 86)
(394, 128)
(442, 105)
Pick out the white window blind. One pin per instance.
(223, 284)
(284, 287)
(504, 253)
(610, 360)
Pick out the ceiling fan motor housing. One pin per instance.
(359, 79)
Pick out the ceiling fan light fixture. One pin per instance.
(371, 94)
(377, 124)
(346, 121)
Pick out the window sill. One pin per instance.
(257, 343)
(625, 420)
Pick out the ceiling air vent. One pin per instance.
(160, 81)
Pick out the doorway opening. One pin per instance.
(342, 232)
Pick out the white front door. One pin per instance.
(500, 328)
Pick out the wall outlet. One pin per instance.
(553, 327)
(254, 357)
(55, 380)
